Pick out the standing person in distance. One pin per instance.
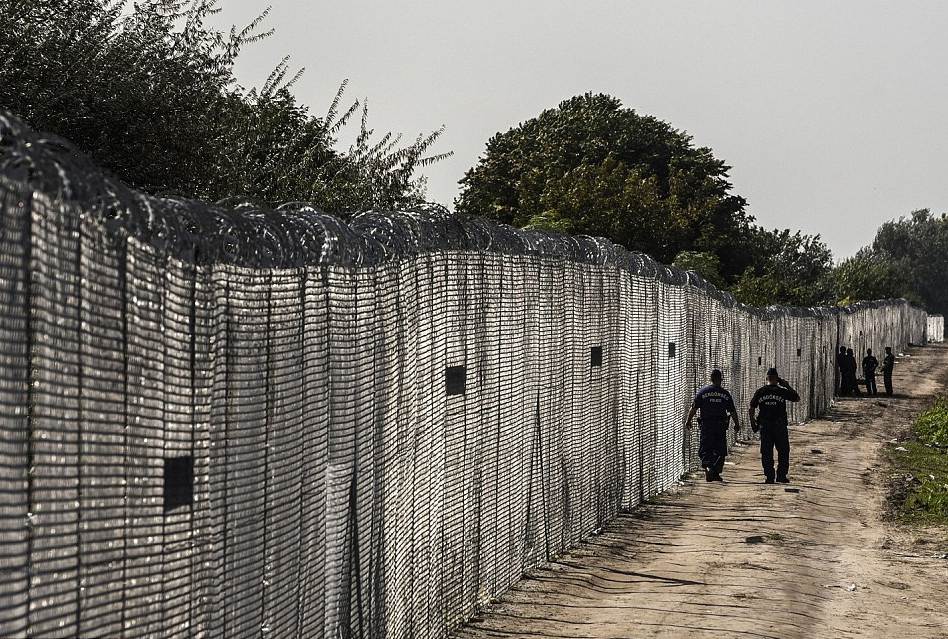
(853, 369)
(842, 375)
(771, 400)
(869, 366)
(717, 409)
(888, 365)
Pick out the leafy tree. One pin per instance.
(869, 275)
(917, 246)
(148, 91)
(591, 166)
(707, 265)
(789, 269)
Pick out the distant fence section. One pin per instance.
(243, 423)
(936, 328)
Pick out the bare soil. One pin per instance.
(744, 559)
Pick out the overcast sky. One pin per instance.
(834, 115)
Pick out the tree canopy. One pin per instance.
(870, 275)
(591, 166)
(908, 258)
(707, 265)
(789, 268)
(148, 91)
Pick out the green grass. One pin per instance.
(919, 490)
(931, 427)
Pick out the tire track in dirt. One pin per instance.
(744, 559)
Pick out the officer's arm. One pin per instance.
(751, 413)
(792, 395)
(733, 412)
(691, 414)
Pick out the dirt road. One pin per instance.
(744, 559)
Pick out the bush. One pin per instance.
(147, 90)
(931, 427)
(930, 497)
(918, 491)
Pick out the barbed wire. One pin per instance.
(295, 234)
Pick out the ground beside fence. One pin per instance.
(745, 559)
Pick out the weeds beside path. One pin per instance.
(918, 492)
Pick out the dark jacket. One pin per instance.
(772, 400)
(888, 363)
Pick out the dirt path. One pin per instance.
(744, 559)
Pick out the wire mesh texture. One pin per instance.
(237, 422)
(936, 328)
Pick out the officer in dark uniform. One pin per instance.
(852, 367)
(841, 374)
(717, 408)
(869, 366)
(772, 400)
(888, 365)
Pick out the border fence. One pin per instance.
(936, 328)
(232, 422)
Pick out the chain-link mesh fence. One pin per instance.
(936, 328)
(237, 422)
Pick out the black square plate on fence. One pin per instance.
(671, 349)
(179, 482)
(456, 380)
(595, 356)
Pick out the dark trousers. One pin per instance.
(848, 385)
(712, 448)
(775, 437)
(853, 384)
(887, 380)
(871, 384)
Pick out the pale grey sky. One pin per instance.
(834, 115)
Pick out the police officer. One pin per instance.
(772, 422)
(869, 366)
(717, 408)
(852, 367)
(842, 375)
(888, 365)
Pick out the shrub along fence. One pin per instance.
(229, 422)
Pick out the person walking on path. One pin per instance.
(869, 366)
(717, 409)
(771, 402)
(888, 365)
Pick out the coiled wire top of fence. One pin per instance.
(297, 234)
